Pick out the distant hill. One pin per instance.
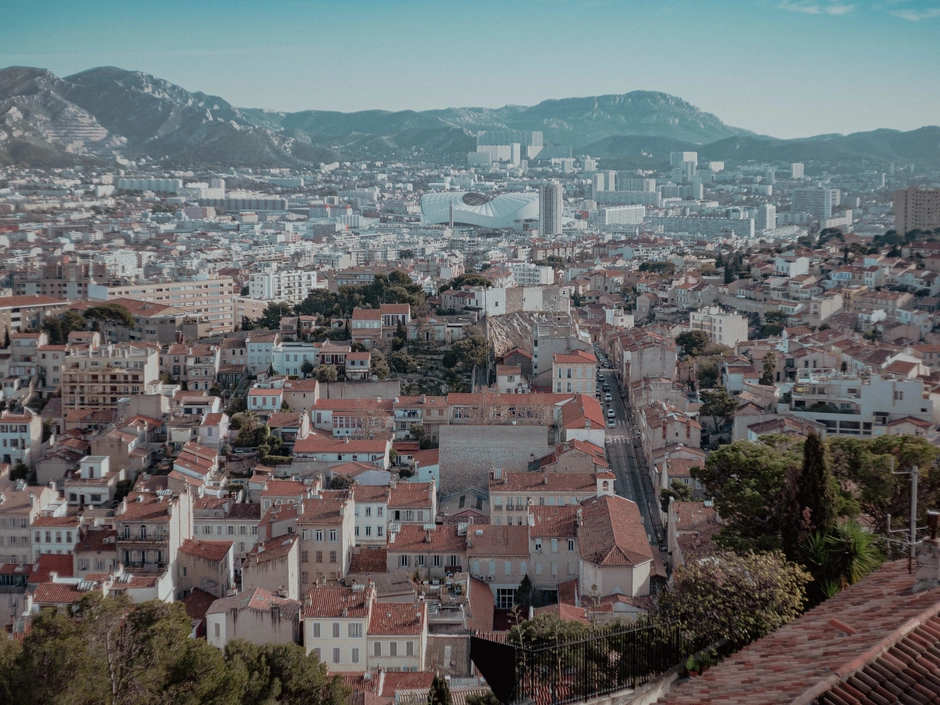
(105, 112)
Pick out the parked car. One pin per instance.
(610, 413)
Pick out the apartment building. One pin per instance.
(258, 616)
(288, 286)
(327, 527)
(336, 621)
(151, 527)
(19, 313)
(916, 209)
(574, 372)
(20, 437)
(209, 299)
(20, 505)
(98, 378)
(859, 404)
(513, 493)
(224, 519)
(723, 328)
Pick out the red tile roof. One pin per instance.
(337, 602)
(872, 643)
(394, 618)
(613, 533)
(209, 550)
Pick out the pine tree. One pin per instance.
(770, 369)
(810, 497)
(440, 692)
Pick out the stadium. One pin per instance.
(469, 208)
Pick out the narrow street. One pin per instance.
(627, 462)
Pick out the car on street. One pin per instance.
(611, 423)
(607, 397)
(610, 413)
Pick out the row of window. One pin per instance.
(318, 534)
(58, 537)
(304, 556)
(376, 651)
(420, 561)
(230, 530)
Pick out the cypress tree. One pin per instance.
(440, 692)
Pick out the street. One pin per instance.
(628, 464)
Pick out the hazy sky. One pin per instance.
(786, 68)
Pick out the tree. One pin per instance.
(693, 342)
(739, 597)
(718, 404)
(487, 698)
(468, 279)
(341, 482)
(468, 353)
(663, 268)
(440, 692)
(327, 373)
(810, 499)
(523, 596)
(59, 327)
(838, 558)
(746, 482)
(402, 362)
(678, 490)
(272, 315)
(378, 365)
(110, 313)
(306, 367)
(770, 369)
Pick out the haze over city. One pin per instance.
(789, 68)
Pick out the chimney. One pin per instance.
(927, 576)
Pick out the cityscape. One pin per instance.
(578, 399)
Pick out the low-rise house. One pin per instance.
(614, 546)
(336, 621)
(207, 565)
(274, 565)
(398, 636)
(412, 502)
(435, 552)
(258, 616)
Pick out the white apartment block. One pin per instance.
(619, 215)
(853, 405)
(97, 378)
(574, 372)
(723, 328)
(529, 274)
(288, 286)
(210, 299)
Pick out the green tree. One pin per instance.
(769, 369)
(273, 313)
(678, 490)
(523, 596)
(417, 432)
(468, 279)
(327, 373)
(110, 313)
(693, 342)
(402, 362)
(746, 482)
(319, 302)
(810, 500)
(718, 404)
(468, 353)
(663, 268)
(440, 692)
(838, 558)
(378, 365)
(306, 368)
(739, 597)
(487, 698)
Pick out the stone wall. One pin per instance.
(468, 453)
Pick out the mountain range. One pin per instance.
(106, 112)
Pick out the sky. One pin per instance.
(786, 68)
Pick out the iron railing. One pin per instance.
(552, 673)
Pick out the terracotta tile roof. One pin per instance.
(367, 560)
(197, 603)
(405, 680)
(257, 599)
(577, 482)
(272, 549)
(369, 493)
(875, 642)
(96, 539)
(492, 540)
(209, 550)
(323, 511)
(322, 444)
(411, 494)
(613, 533)
(337, 602)
(284, 488)
(144, 506)
(394, 618)
(60, 564)
(582, 410)
(578, 357)
(411, 539)
(568, 613)
(557, 522)
(56, 594)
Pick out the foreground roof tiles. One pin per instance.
(875, 642)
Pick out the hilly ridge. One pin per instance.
(106, 112)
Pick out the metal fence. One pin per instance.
(568, 671)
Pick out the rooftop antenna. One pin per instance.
(911, 541)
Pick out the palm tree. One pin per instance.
(840, 557)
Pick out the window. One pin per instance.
(332, 556)
(319, 556)
(355, 655)
(218, 629)
(538, 544)
(409, 648)
(379, 511)
(554, 545)
(393, 648)
(335, 655)
(304, 557)
(316, 630)
(231, 530)
(436, 561)
(303, 578)
(403, 561)
(377, 648)
(333, 535)
(336, 630)
(368, 511)
(507, 568)
(242, 530)
(318, 535)
(355, 629)
(571, 544)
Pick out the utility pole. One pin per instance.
(912, 531)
